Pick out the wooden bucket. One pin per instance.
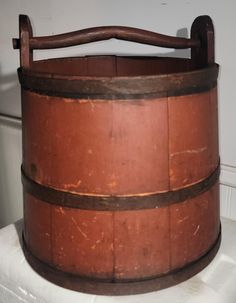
(120, 161)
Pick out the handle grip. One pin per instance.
(27, 43)
(107, 32)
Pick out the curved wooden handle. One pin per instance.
(104, 33)
(108, 32)
(27, 43)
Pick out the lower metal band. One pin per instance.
(121, 287)
(117, 203)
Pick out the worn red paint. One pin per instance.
(120, 126)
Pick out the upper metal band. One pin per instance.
(122, 88)
(116, 203)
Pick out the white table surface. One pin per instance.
(19, 283)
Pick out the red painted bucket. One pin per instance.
(120, 161)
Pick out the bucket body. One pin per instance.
(120, 171)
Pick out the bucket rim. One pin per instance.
(119, 87)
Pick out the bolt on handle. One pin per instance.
(27, 43)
